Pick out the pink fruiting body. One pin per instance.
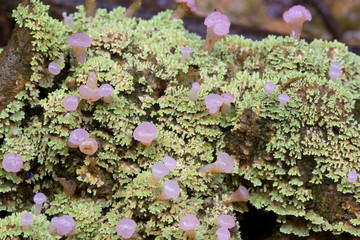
(68, 19)
(89, 94)
(79, 42)
(269, 87)
(240, 195)
(26, 220)
(171, 190)
(194, 91)
(91, 81)
(126, 228)
(189, 223)
(335, 71)
(223, 234)
(89, 146)
(185, 53)
(352, 177)
(65, 225)
(145, 133)
(226, 221)
(170, 163)
(71, 103)
(77, 136)
(159, 170)
(183, 8)
(213, 102)
(39, 199)
(218, 26)
(12, 162)
(283, 98)
(227, 99)
(54, 68)
(296, 17)
(224, 163)
(105, 92)
(53, 224)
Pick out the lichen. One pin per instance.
(294, 159)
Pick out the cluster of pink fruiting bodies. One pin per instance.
(217, 26)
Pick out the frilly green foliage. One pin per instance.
(293, 159)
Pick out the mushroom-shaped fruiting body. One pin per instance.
(189, 224)
(296, 17)
(71, 103)
(88, 93)
(183, 8)
(227, 99)
(77, 136)
(213, 102)
(26, 220)
(194, 91)
(283, 98)
(226, 221)
(352, 177)
(79, 43)
(126, 228)
(65, 225)
(171, 190)
(223, 164)
(222, 234)
(185, 53)
(145, 133)
(54, 68)
(105, 92)
(39, 199)
(12, 162)
(217, 26)
(89, 146)
(240, 195)
(170, 163)
(159, 170)
(269, 87)
(335, 71)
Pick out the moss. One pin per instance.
(294, 159)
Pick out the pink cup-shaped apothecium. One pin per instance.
(222, 234)
(240, 195)
(226, 221)
(71, 103)
(213, 102)
(283, 98)
(39, 199)
(126, 228)
(194, 91)
(159, 170)
(145, 133)
(65, 225)
(224, 164)
(77, 136)
(170, 163)
(12, 162)
(89, 146)
(26, 220)
(189, 224)
(296, 16)
(218, 26)
(269, 87)
(79, 43)
(171, 190)
(352, 177)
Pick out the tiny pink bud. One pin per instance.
(194, 91)
(352, 177)
(159, 170)
(26, 220)
(240, 195)
(185, 53)
(213, 102)
(189, 223)
(105, 90)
